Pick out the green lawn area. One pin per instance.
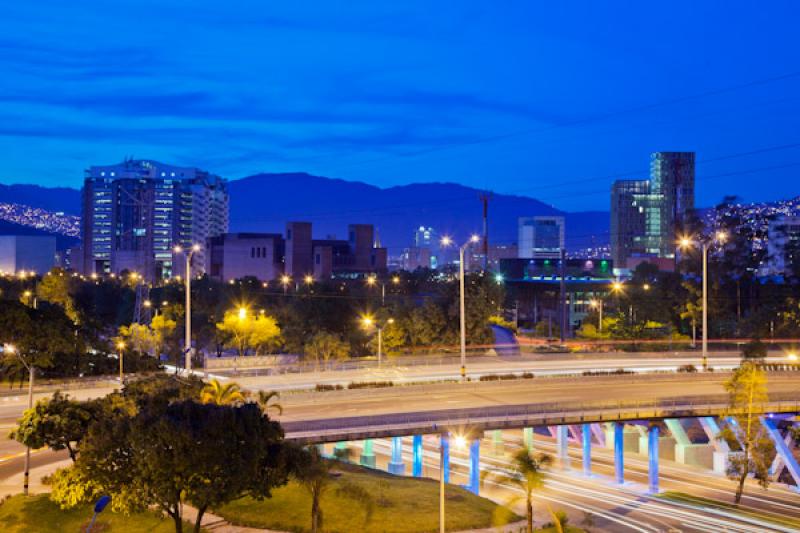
(21, 514)
(402, 505)
(729, 507)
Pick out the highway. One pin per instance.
(293, 378)
(316, 413)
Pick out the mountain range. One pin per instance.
(265, 202)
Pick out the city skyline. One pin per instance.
(498, 100)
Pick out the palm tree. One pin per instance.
(314, 473)
(265, 397)
(221, 394)
(525, 474)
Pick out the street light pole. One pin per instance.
(120, 351)
(461, 312)
(187, 345)
(705, 306)
(380, 346)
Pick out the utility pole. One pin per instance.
(485, 197)
(563, 294)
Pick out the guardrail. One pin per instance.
(519, 416)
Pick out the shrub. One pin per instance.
(370, 384)
(687, 368)
(321, 387)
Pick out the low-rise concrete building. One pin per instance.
(31, 253)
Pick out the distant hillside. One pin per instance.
(265, 202)
(53, 199)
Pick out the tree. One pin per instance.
(55, 288)
(526, 475)
(203, 454)
(221, 394)
(314, 474)
(244, 331)
(58, 423)
(426, 325)
(747, 393)
(140, 338)
(264, 400)
(324, 346)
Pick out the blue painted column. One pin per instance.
(562, 440)
(586, 435)
(416, 468)
(527, 438)
(619, 452)
(367, 455)
(396, 465)
(652, 458)
(444, 443)
(474, 466)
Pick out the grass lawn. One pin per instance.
(729, 507)
(21, 514)
(402, 505)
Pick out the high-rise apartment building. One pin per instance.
(136, 212)
(647, 216)
(672, 178)
(783, 243)
(540, 236)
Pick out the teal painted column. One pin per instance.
(497, 441)
(416, 468)
(396, 465)
(367, 455)
(527, 438)
(340, 451)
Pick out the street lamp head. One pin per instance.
(616, 286)
(10, 348)
(474, 238)
(178, 249)
(721, 236)
(367, 321)
(195, 247)
(242, 313)
(646, 286)
(371, 280)
(390, 321)
(27, 294)
(685, 243)
(460, 441)
(285, 279)
(446, 241)
(498, 278)
(309, 279)
(396, 279)
(148, 303)
(120, 345)
(164, 303)
(594, 304)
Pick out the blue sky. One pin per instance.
(552, 100)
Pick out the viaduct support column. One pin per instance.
(474, 466)
(561, 445)
(367, 455)
(444, 444)
(652, 458)
(396, 465)
(619, 452)
(416, 469)
(527, 438)
(586, 436)
(340, 451)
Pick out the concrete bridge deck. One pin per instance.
(399, 411)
